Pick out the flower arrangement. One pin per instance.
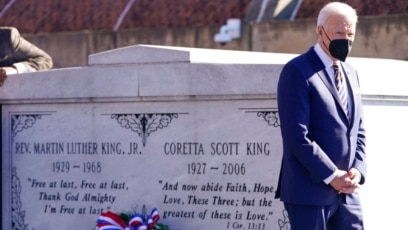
(128, 221)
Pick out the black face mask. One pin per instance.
(338, 48)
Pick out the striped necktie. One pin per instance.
(340, 86)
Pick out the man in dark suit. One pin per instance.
(324, 160)
(17, 55)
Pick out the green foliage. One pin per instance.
(159, 226)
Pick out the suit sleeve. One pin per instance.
(360, 160)
(28, 55)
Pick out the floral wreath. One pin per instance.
(126, 221)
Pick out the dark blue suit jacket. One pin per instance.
(317, 136)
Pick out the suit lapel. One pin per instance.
(351, 84)
(320, 70)
(325, 77)
(329, 84)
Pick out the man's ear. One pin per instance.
(320, 30)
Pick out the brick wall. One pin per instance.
(376, 37)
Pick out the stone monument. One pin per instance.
(191, 132)
(141, 128)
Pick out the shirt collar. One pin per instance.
(327, 62)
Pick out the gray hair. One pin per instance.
(336, 8)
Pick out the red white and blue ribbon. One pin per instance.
(152, 219)
(112, 221)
